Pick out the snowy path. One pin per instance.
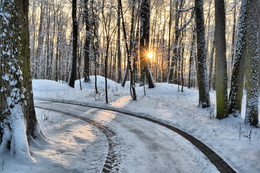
(143, 146)
(111, 162)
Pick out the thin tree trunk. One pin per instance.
(173, 69)
(211, 56)
(182, 67)
(87, 43)
(75, 44)
(47, 43)
(106, 64)
(169, 40)
(119, 70)
(107, 25)
(95, 43)
(131, 43)
(40, 42)
(233, 34)
(191, 61)
(132, 82)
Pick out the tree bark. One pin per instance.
(87, 43)
(221, 63)
(211, 66)
(173, 69)
(119, 70)
(202, 76)
(191, 60)
(17, 115)
(169, 41)
(233, 34)
(237, 79)
(74, 45)
(144, 41)
(252, 54)
(40, 42)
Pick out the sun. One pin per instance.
(150, 55)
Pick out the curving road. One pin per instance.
(142, 144)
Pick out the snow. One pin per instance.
(75, 146)
(6, 77)
(19, 142)
(16, 132)
(68, 141)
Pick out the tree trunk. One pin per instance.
(258, 5)
(182, 66)
(221, 63)
(40, 42)
(202, 76)
(95, 42)
(119, 70)
(106, 64)
(87, 43)
(237, 79)
(211, 66)
(144, 41)
(18, 122)
(132, 82)
(131, 48)
(252, 54)
(74, 45)
(47, 43)
(233, 34)
(173, 69)
(191, 61)
(169, 41)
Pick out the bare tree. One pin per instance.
(109, 31)
(132, 81)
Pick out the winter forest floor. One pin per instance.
(76, 145)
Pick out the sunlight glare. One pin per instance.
(150, 55)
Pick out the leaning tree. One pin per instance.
(238, 74)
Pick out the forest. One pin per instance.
(210, 46)
(161, 41)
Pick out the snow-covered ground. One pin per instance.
(68, 139)
(139, 145)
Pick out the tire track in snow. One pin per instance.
(112, 161)
(213, 157)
